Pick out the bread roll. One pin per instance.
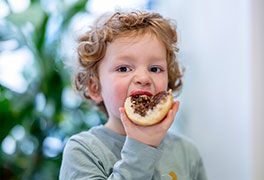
(148, 110)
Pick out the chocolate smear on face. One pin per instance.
(142, 103)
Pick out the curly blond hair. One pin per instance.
(92, 45)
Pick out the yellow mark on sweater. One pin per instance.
(173, 175)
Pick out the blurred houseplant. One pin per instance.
(36, 123)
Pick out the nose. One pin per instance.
(142, 78)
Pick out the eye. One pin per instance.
(123, 69)
(156, 69)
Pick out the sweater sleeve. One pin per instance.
(137, 161)
(197, 169)
(82, 162)
(200, 171)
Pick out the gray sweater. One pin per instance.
(103, 154)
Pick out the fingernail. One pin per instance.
(121, 111)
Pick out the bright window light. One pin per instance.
(18, 6)
(12, 64)
(4, 9)
(18, 132)
(52, 146)
(9, 145)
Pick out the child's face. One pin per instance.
(132, 66)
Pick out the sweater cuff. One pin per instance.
(139, 152)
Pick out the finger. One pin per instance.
(167, 122)
(175, 107)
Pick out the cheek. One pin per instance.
(114, 94)
(120, 93)
(161, 83)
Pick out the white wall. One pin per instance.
(257, 107)
(215, 38)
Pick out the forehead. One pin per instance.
(137, 34)
(134, 40)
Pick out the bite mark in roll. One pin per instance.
(148, 110)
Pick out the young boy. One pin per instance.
(122, 54)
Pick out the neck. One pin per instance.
(116, 126)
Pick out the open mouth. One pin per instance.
(140, 92)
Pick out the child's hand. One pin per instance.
(150, 135)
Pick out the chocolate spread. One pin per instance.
(142, 103)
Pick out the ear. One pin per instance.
(94, 89)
